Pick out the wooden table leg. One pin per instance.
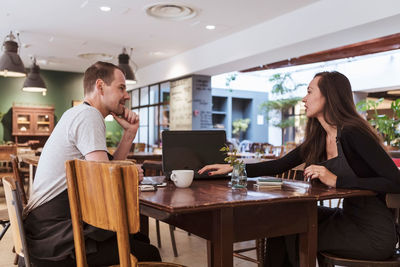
(210, 253)
(222, 239)
(308, 241)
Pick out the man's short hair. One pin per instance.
(99, 70)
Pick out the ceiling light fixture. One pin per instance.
(11, 64)
(34, 82)
(105, 8)
(170, 11)
(210, 27)
(123, 63)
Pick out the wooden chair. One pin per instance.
(4, 222)
(14, 207)
(260, 247)
(139, 147)
(290, 146)
(279, 151)
(18, 177)
(5, 152)
(154, 168)
(295, 173)
(330, 260)
(105, 195)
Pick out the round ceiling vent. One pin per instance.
(96, 56)
(171, 12)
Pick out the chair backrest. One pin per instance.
(295, 173)
(140, 147)
(6, 150)
(245, 146)
(105, 195)
(17, 177)
(289, 146)
(14, 207)
(152, 167)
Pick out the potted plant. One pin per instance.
(239, 175)
(387, 125)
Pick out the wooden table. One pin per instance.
(142, 156)
(212, 210)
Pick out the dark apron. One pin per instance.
(363, 229)
(49, 231)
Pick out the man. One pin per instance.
(80, 133)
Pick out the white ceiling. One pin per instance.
(249, 32)
(56, 32)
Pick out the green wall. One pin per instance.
(62, 88)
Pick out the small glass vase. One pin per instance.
(239, 176)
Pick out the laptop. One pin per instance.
(192, 150)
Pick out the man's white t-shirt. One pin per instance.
(81, 130)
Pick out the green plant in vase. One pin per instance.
(239, 175)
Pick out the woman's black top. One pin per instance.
(373, 168)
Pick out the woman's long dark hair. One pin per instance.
(339, 111)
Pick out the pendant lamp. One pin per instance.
(123, 63)
(11, 64)
(34, 82)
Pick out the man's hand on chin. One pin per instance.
(129, 120)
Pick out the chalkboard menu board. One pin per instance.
(202, 103)
(180, 105)
(191, 103)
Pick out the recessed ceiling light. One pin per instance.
(157, 53)
(105, 8)
(210, 27)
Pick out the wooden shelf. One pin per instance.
(32, 116)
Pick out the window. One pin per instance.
(151, 103)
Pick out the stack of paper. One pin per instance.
(269, 182)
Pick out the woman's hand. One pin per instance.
(216, 169)
(324, 175)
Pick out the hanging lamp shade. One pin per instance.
(123, 63)
(11, 64)
(34, 82)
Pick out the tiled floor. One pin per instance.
(191, 249)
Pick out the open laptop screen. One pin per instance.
(191, 150)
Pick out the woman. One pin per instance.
(341, 150)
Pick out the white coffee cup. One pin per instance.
(182, 178)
